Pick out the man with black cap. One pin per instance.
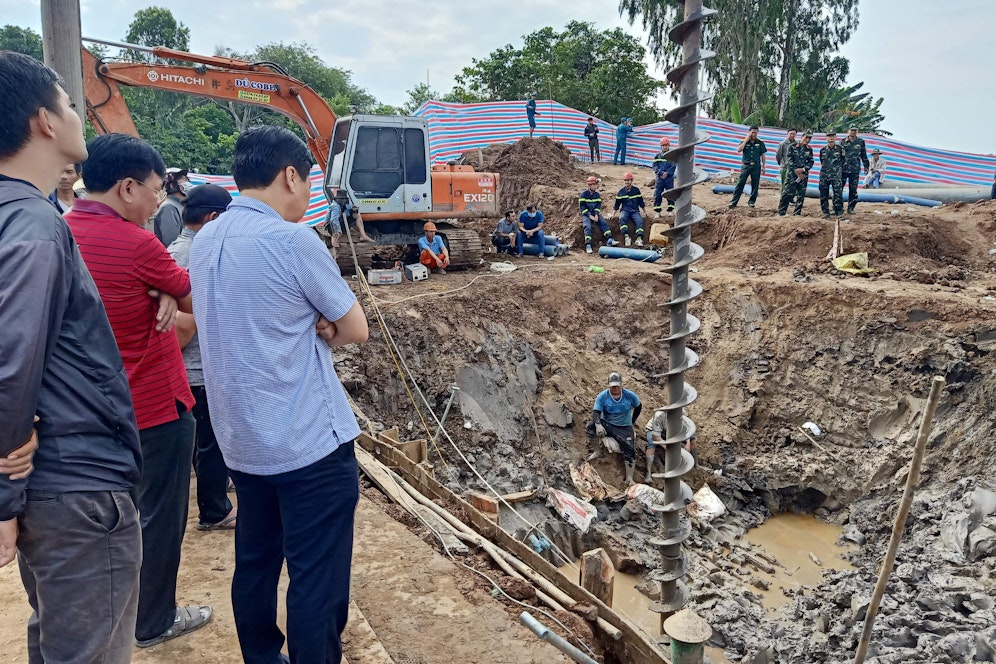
(831, 175)
(169, 218)
(855, 157)
(204, 204)
(615, 411)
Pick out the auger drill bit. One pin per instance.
(678, 461)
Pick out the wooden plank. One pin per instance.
(390, 435)
(519, 496)
(598, 575)
(484, 503)
(635, 646)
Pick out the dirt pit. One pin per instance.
(785, 339)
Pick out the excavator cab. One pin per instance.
(382, 163)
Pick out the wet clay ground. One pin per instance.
(785, 339)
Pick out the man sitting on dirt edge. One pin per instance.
(433, 254)
(613, 416)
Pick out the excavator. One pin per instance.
(379, 163)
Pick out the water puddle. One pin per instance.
(793, 541)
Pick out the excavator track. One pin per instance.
(464, 245)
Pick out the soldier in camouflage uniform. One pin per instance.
(753, 149)
(831, 175)
(797, 163)
(855, 156)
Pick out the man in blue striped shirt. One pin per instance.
(262, 288)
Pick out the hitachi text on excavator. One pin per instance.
(379, 163)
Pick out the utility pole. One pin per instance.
(62, 39)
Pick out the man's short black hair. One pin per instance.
(509, 212)
(754, 128)
(25, 86)
(263, 152)
(114, 157)
(793, 129)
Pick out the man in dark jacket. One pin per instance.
(629, 205)
(73, 520)
(664, 177)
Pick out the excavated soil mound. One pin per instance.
(529, 161)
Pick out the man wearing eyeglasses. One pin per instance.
(124, 180)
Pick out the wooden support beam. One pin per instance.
(484, 503)
(598, 575)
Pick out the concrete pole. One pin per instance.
(61, 42)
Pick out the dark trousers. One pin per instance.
(593, 149)
(838, 197)
(754, 173)
(79, 557)
(502, 243)
(209, 466)
(661, 185)
(620, 153)
(851, 180)
(622, 435)
(162, 503)
(306, 517)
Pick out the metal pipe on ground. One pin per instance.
(864, 196)
(542, 631)
(643, 255)
(942, 194)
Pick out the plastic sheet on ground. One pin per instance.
(853, 263)
(576, 511)
(588, 483)
(706, 505)
(646, 495)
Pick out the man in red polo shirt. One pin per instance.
(124, 178)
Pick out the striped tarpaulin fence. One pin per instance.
(456, 128)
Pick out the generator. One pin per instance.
(416, 272)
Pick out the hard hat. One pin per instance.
(627, 176)
(592, 180)
(665, 141)
(615, 380)
(429, 226)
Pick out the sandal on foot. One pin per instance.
(228, 523)
(188, 619)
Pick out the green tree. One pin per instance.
(156, 26)
(597, 72)
(417, 96)
(21, 40)
(758, 46)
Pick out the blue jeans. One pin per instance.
(626, 216)
(620, 154)
(602, 226)
(306, 517)
(521, 237)
(874, 180)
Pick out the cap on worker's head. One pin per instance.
(176, 172)
(665, 141)
(209, 197)
(429, 226)
(852, 128)
(808, 134)
(831, 133)
(628, 176)
(592, 180)
(876, 151)
(615, 380)
(532, 94)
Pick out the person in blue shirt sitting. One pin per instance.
(433, 254)
(615, 411)
(531, 227)
(623, 131)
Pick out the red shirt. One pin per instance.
(126, 262)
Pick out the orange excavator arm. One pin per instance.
(215, 77)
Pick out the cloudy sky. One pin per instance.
(932, 62)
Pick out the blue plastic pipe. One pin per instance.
(533, 249)
(864, 196)
(643, 255)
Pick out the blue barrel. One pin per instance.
(643, 255)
